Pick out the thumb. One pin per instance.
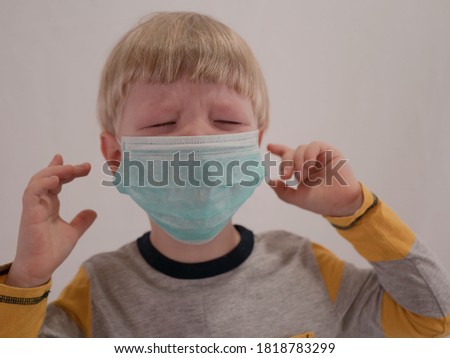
(283, 191)
(83, 221)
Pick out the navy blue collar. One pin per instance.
(199, 270)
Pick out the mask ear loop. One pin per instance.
(113, 165)
(119, 141)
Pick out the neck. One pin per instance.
(222, 244)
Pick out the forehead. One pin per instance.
(183, 93)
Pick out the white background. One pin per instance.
(370, 77)
(343, 347)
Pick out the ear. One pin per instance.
(110, 147)
(260, 136)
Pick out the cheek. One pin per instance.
(251, 113)
(118, 130)
(254, 122)
(125, 127)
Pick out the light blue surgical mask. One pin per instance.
(190, 186)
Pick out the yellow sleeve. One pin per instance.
(379, 235)
(375, 231)
(22, 310)
(398, 322)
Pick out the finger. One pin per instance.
(77, 174)
(80, 170)
(309, 161)
(57, 160)
(315, 150)
(283, 191)
(286, 155)
(299, 159)
(39, 187)
(83, 221)
(64, 172)
(278, 149)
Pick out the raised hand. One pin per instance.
(45, 239)
(314, 166)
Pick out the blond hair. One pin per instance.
(170, 46)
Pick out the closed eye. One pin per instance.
(163, 124)
(223, 121)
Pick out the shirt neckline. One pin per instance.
(199, 270)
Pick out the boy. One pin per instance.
(182, 83)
